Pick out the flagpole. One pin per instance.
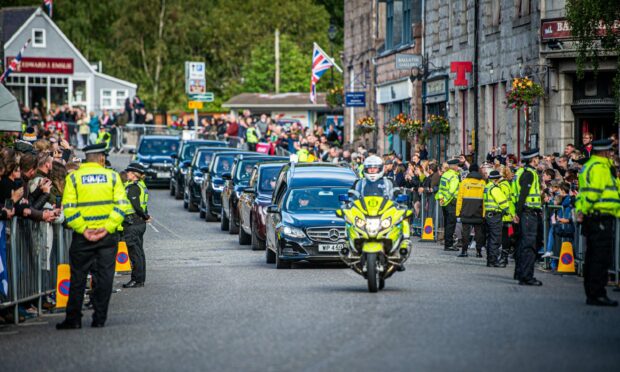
(10, 67)
(331, 59)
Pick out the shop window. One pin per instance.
(79, 92)
(38, 38)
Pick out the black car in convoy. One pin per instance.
(213, 183)
(182, 160)
(234, 183)
(301, 221)
(155, 153)
(254, 201)
(195, 174)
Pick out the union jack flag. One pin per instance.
(320, 63)
(49, 6)
(14, 63)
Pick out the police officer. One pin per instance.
(597, 205)
(134, 225)
(495, 207)
(303, 155)
(448, 190)
(507, 229)
(94, 204)
(528, 208)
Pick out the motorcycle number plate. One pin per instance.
(330, 247)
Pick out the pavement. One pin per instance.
(210, 304)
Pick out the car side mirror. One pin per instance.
(249, 190)
(174, 156)
(186, 163)
(402, 198)
(273, 209)
(205, 169)
(132, 151)
(343, 198)
(226, 176)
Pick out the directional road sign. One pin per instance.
(203, 97)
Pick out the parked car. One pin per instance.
(234, 183)
(301, 222)
(155, 152)
(195, 174)
(254, 201)
(182, 160)
(213, 183)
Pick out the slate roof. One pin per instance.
(12, 18)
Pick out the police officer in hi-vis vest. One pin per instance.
(597, 206)
(528, 216)
(496, 206)
(94, 204)
(447, 194)
(134, 225)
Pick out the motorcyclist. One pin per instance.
(374, 183)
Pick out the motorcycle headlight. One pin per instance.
(372, 225)
(293, 232)
(386, 223)
(360, 222)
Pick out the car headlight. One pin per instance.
(386, 223)
(198, 179)
(293, 232)
(372, 225)
(360, 222)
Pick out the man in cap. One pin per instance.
(134, 225)
(94, 204)
(448, 190)
(597, 206)
(529, 217)
(496, 205)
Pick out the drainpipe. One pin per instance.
(475, 68)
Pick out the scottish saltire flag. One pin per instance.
(4, 274)
(14, 63)
(320, 63)
(49, 6)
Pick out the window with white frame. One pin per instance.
(38, 38)
(112, 99)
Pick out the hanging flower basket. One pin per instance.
(335, 97)
(366, 124)
(524, 92)
(404, 125)
(438, 124)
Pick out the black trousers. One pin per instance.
(600, 234)
(479, 236)
(449, 220)
(134, 237)
(494, 236)
(82, 255)
(530, 238)
(507, 242)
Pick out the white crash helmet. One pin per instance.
(373, 162)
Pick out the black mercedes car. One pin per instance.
(301, 223)
(195, 174)
(213, 183)
(234, 183)
(183, 159)
(155, 154)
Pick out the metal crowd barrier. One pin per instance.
(34, 250)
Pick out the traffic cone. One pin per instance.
(428, 231)
(63, 283)
(122, 258)
(566, 263)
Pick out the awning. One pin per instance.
(10, 118)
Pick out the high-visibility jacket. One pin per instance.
(495, 200)
(448, 187)
(251, 136)
(469, 198)
(533, 199)
(93, 198)
(598, 188)
(104, 137)
(303, 155)
(144, 196)
(507, 190)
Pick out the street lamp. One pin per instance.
(331, 34)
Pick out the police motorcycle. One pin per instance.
(375, 228)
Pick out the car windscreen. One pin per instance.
(268, 178)
(203, 159)
(244, 171)
(314, 198)
(159, 146)
(189, 149)
(223, 164)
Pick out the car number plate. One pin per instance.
(162, 174)
(330, 247)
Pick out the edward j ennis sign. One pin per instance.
(31, 65)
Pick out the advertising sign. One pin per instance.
(33, 65)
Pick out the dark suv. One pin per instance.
(195, 174)
(182, 161)
(301, 223)
(155, 154)
(213, 183)
(234, 183)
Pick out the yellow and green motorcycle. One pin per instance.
(377, 230)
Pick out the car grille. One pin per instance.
(325, 234)
(161, 166)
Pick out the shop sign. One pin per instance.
(408, 61)
(33, 65)
(559, 28)
(461, 68)
(355, 99)
(436, 91)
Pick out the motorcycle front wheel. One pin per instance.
(372, 273)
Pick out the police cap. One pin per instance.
(453, 162)
(135, 167)
(529, 154)
(94, 149)
(494, 175)
(602, 145)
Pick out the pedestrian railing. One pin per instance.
(33, 252)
